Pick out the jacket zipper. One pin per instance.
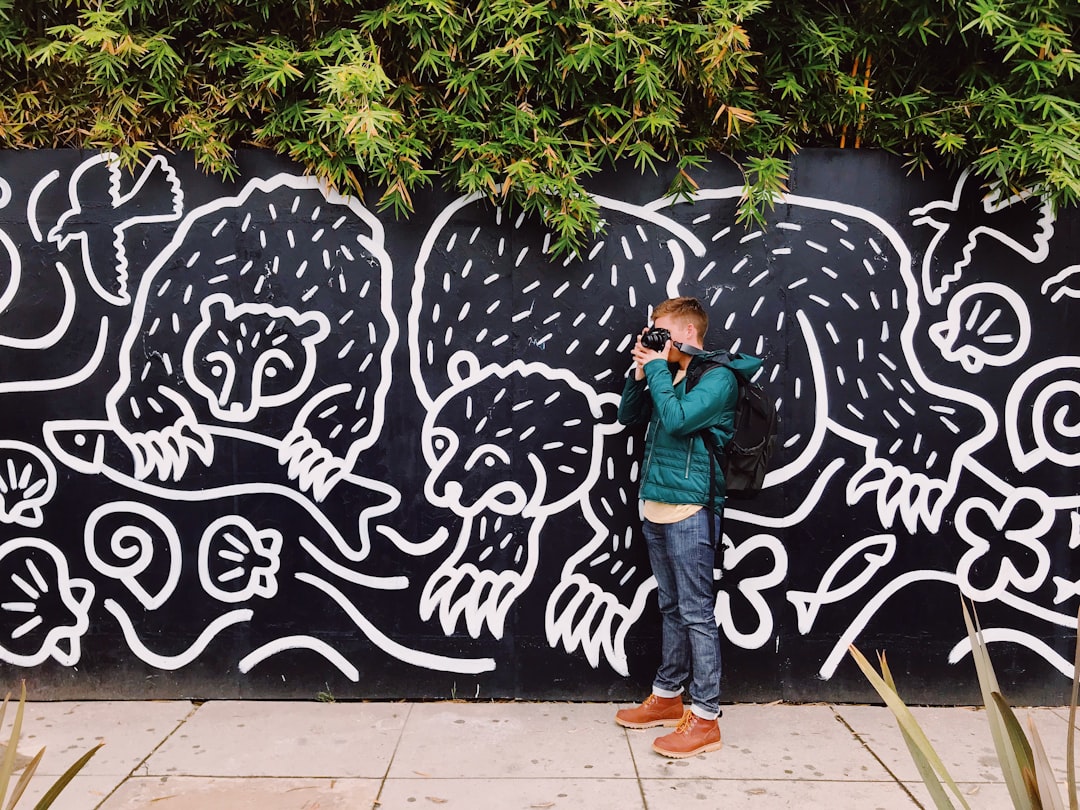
(689, 453)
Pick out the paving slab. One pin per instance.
(129, 729)
(765, 794)
(512, 794)
(212, 793)
(82, 793)
(960, 735)
(518, 740)
(289, 739)
(979, 795)
(770, 743)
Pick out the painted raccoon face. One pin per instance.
(245, 357)
(524, 439)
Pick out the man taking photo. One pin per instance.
(679, 486)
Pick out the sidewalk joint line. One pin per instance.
(195, 706)
(393, 755)
(880, 761)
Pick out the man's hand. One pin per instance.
(643, 355)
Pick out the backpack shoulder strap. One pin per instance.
(697, 370)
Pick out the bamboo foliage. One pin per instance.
(525, 100)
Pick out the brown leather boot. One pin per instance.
(693, 736)
(655, 711)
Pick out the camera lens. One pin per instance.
(655, 338)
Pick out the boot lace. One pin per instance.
(686, 723)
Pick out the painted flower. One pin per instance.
(1007, 551)
(757, 565)
(237, 561)
(43, 611)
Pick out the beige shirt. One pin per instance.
(658, 512)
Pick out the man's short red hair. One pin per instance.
(685, 308)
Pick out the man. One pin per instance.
(675, 489)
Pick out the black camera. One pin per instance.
(655, 338)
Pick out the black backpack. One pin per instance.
(745, 458)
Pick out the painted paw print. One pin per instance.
(742, 611)
(27, 483)
(1006, 545)
(237, 562)
(44, 612)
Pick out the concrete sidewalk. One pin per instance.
(262, 755)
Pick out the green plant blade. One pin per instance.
(54, 790)
(926, 770)
(1012, 758)
(1070, 738)
(24, 780)
(907, 723)
(1048, 791)
(1020, 748)
(7, 768)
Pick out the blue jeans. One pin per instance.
(682, 558)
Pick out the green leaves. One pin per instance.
(8, 765)
(1028, 775)
(524, 100)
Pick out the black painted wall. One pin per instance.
(259, 441)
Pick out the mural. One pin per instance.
(258, 440)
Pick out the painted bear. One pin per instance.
(508, 447)
(267, 315)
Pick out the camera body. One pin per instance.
(655, 338)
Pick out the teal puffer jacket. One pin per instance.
(676, 466)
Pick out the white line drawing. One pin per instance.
(1047, 393)
(448, 264)
(751, 589)
(13, 262)
(987, 324)
(229, 329)
(876, 551)
(179, 660)
(992, 635)
(877, 395)
(286, 643)
(68, 380)
(92, 447)
(106, 265)
(470, 432)
(996, 219)
(1027, 536)
(249, 360)
(44, 611)
(27, 483)
(136, 547)
(285, 220)
(443, 663)
(1061, 286)
(871, 608)
(232, 553)
(34, 198)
